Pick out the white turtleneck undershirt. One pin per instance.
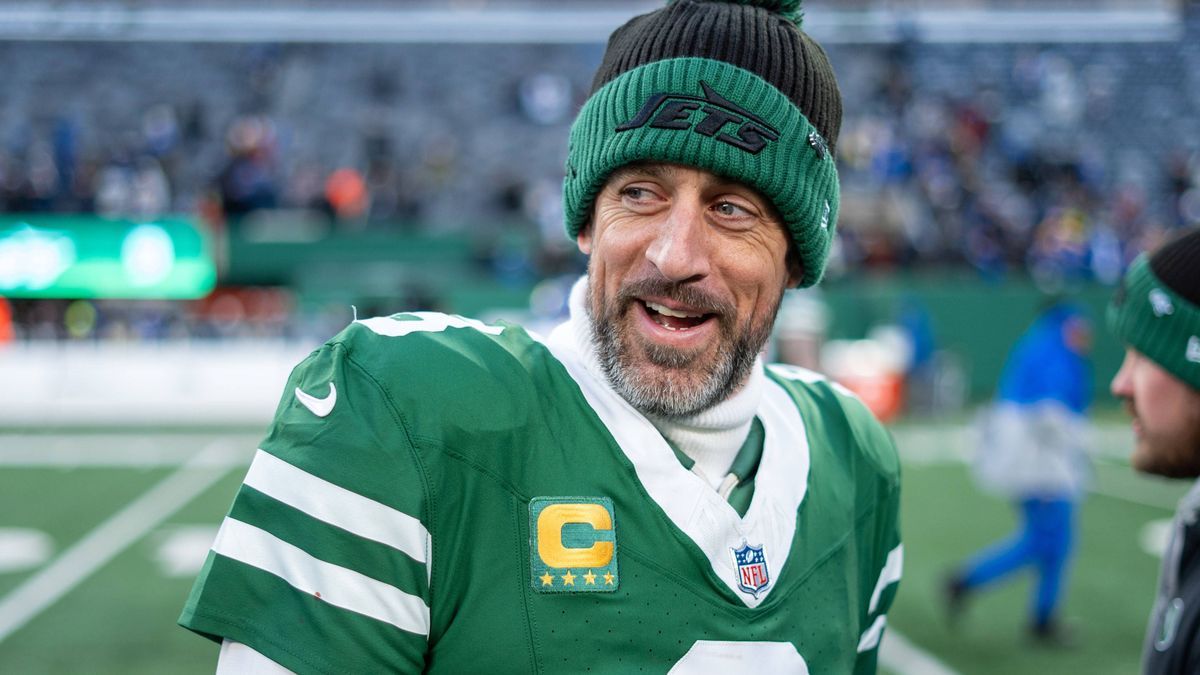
(711, 438)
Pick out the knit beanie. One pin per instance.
(1157, 308)
(732, 87)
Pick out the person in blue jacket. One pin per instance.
(1031, 451)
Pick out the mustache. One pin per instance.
(682, 292)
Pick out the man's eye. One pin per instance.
(634, 193)
(731, 209)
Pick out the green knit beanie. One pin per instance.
(1157, 308)
(734, 88)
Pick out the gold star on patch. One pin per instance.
(547, 580)
(568, 579)
(608, 579)
(589, 578)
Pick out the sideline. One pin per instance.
(1118, 481)
(113, 536)
(74, 449)
(1108, 445)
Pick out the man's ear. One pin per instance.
(584, 239)
(795, 268)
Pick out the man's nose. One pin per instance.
(1120, 382)
(679, 249)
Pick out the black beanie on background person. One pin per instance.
(733, 87)
(1177, 264)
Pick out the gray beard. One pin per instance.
(669, 398)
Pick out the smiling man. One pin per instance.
(636, 492)
(1156, 313)
(686, 274)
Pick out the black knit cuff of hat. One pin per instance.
(752, 38)
(1177, 264)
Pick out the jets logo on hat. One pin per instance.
(753, 576)
(1161, 302)
(709, 115)
(818, 143)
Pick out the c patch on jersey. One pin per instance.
(573, 545)
(753, 577)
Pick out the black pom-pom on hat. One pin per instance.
(788, 8)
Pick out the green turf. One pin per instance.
(1108, 594)
(121, 619)
(67, 503)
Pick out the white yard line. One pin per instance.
(112, 537)
(902, 657)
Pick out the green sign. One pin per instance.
(90, 257)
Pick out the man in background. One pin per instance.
(1156, 314)
(1031, 452)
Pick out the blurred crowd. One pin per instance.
(1057, 161)
(1011, 173)
(148, 174)
(241, 313)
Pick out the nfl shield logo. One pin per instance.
(752, 573)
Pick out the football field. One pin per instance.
(102, 532)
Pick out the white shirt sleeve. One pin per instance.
(239, 659)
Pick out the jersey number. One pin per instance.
(710, 657)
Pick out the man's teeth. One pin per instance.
(671, 312)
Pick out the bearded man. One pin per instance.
(636, 492)
(1156, 313)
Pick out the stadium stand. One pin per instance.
(1057, 160)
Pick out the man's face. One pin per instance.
(1166, 417)
(686, 273)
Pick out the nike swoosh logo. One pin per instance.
(319, 406)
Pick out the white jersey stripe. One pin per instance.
(335, 585)
(870, 639)
(890, 574)
(236, 658)
(427, 322)
(338, 506)
(805, 375)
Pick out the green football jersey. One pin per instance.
(440, 495)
